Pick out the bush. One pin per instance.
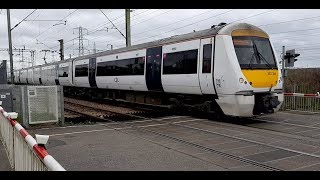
(304, 80)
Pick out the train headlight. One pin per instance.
(241, 80)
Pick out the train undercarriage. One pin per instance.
(175, 102)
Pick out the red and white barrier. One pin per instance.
(302, 95)
(47, 159)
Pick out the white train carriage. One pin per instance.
(20, 75)
(23, 76)
(247, 73)
(187, 67)
(180, 68)
(30, 76)
(124, 71)
(16, 76)
(49, 75)
(233, 66)
(37, 75)
(65, 73)
(81, 73)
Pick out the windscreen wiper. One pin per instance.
(260, 55)
(269, 65)
(251, 60)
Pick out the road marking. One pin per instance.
(79, 132)
(160, 119)
(170, 117)
(72, 126)
(103, 124)
(150, 125)
(108, 129)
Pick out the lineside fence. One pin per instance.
(301, 102)
(22, 149)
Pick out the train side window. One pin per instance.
(206, 59)
(137, 66)
(184, 62)
(124, 67)
(63, 71)
(81, 70)
(102, 69)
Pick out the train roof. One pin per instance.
(214, 30)
(207, 32)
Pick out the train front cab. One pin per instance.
(250, 82)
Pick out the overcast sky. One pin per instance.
(296, 29)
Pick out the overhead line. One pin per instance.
(112, 23)
(254, 15)
(23, 19)
(147, 30)
(53, 26)
(136, 23)
(186, 25)
(288, 21)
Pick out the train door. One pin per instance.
(57, 75)
(27, 76)
(40, 75)
(19, 75)
(153, 69)
(70, 75)
(92, 72)
(206, 66)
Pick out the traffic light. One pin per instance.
(290, 58)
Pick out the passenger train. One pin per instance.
(228, 68)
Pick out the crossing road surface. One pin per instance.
(283, 141)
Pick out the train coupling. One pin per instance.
(265, 103)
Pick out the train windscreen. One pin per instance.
(254, 52)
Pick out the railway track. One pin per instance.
(312, 127)
(116, 115)
(289, 127)
(247, 125)
(111, 112)
(98, 111)
(82, 116)
(70, 114)
(272, 125)
(199, 146)
(246, 140)
(139, 109)
(99, 114)
(224, 154)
